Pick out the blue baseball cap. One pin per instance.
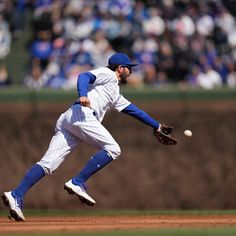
(120, 59)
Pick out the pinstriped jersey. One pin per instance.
(104, 93)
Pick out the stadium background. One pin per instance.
(46, 43)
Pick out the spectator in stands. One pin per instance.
(209, 79)
(220, 66)
(146, 55)
(99, 47)
(5, 48)
(5, 38)
(19, 15)
(36, 79)
(41, 48)
(54, 76)
(170, 37)
(4, 76)
(154, 23)
(195, 76)
(166, 60)
(231, 77)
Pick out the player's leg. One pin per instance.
(94, 164)
(96, 135)
(14, 199)
(77, 184)
(32, 176)
(60, 146)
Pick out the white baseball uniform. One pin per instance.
(83, 124)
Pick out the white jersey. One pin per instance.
(104, 93)
(78, 124)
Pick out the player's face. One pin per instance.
(125, 73)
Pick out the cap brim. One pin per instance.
(131, 65)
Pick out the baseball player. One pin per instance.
(98, 92)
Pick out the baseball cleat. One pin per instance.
(79, 190)
(14, 204)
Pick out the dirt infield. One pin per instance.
(105, 223)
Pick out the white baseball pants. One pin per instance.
(78, 124)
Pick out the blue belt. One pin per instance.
(76, 103)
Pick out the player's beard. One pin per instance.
(123, 78)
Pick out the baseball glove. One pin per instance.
(163, 134)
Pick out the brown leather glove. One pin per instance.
(163, 134)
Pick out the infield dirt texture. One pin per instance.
(82, 224)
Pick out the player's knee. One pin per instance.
(114, 151)
(48, 169)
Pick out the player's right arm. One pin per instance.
(83, 82)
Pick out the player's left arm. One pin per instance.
(141, 115)
(161, 131)
(123, 105)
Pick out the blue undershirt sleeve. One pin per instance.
(142, 116)
(83, 82)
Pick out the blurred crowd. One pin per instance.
(185, 42)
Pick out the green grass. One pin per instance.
(160, 232)
(53, 212)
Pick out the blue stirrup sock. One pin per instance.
(96, 163)
(32, 176)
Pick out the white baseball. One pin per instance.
(188, 133)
